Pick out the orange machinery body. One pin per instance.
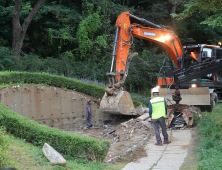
(164, 81)
(163, 37)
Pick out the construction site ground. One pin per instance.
(177, 155)
(124, 136)
(180, 154)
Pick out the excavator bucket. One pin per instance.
(119, 103)
(192, 96)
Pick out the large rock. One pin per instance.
(52, 155)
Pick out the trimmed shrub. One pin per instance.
(56, 81)
(67, 143)
(138, 103)
(52, 80)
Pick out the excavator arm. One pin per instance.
(125, 31)
(115, 99)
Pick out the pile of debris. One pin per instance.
(127, 130)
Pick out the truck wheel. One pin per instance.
(215, 98)
(213, 102)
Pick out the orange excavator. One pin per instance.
(117, 101)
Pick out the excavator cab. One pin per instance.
(203, 89)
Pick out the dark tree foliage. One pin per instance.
(75, 38)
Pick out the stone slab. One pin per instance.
(143, 117)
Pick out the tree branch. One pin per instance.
(32, 14)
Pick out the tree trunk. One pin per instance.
(19, 30)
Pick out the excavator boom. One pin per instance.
(125, 31)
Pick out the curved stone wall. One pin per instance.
(52, 106)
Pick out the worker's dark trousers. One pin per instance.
(162, 123)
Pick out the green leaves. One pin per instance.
(211, 7)
(210, 146)
(215, 19)
(88, 41)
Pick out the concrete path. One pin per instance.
(166, 157)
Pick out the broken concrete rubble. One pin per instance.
(127, 130)
(143, 117)
(146, 110)
(147, 124)
(124, 136)
(141, 110)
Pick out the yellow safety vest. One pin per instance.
(158, 107)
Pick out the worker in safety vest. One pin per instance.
(158, 112)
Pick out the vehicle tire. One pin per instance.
(213, 101)
(215, 98)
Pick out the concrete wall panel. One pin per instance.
(52, 106)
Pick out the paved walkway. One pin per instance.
(166, 157)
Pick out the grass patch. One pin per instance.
(4, 143)
(26, 156)
(210, 149)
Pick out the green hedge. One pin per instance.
(67, 143)
(52, 80)
(56, 81)
(138, 103)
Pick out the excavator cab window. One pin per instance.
(207, 53)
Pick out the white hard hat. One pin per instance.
(155, 90)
